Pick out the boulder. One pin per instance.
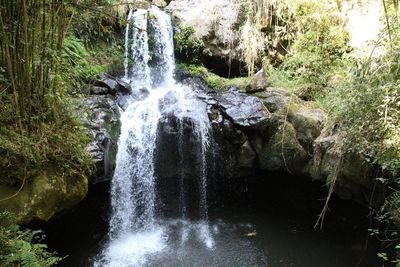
(98, 90)
(308, 123)
(123, 87)
(107, 83)
(43, 196)
(258, 83)
(353, 177)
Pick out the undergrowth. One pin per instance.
(23, 247)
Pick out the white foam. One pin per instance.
(133, 249)
(204, 234)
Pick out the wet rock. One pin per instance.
(98, 90)
(176, 153)
(110, 85)
(123, 87)
(242, 109)
(142, 93)
(166, 104)
(247, 156)
(123, 101)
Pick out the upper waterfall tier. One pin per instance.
(149, 48)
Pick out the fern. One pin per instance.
(22, 247)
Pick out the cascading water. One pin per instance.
(134, 228)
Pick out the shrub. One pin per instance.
(188, 48)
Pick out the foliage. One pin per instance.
(37, 125)
(84, 64)
(361, 95)
(188, 48)
(364, 104)
(23, 247)
(97, 21)
(75, 53)
(252, 40)
(268, 29)
(305, 35)
(61, 145)
(32, 33)
(369, 107)
(318, 54)
(319, 51)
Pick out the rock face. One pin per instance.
(274, 130)
(216, 23)
(100, 115)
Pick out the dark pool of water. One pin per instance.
(262, 224)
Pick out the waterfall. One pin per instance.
(126, 55)
(140, 73)
(149, 66)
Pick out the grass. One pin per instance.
(213, 80)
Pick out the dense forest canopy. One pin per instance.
(51, 50)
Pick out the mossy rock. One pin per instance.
(308, 123)
(45, 195)
(284, 152)
(308, 91)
